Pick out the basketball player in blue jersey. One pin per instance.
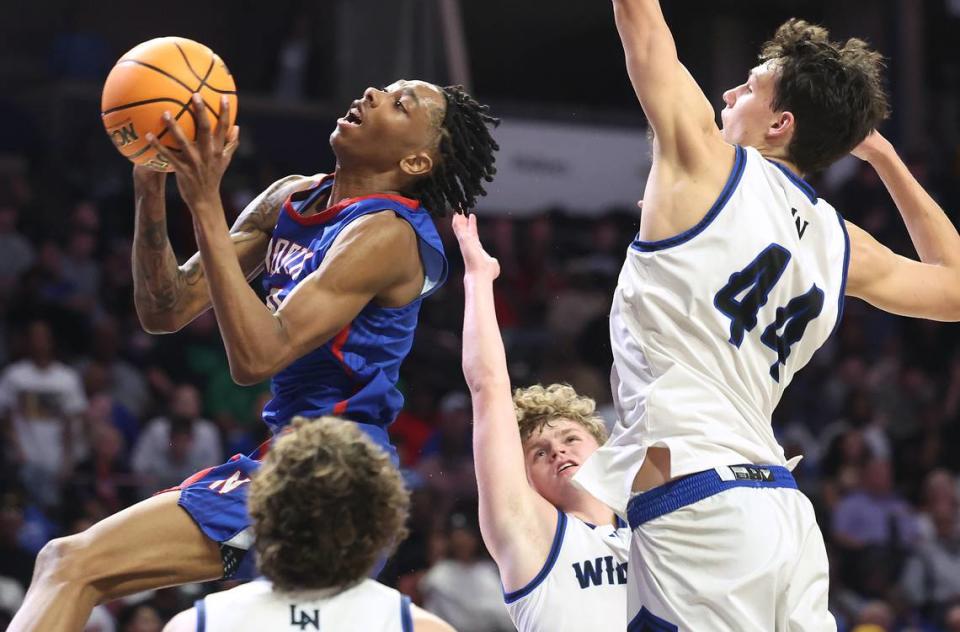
(562, 554)
(736, 278)
(349, 256)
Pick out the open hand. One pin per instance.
(200, 165)
(475, 258)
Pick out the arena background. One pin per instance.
(876, 414)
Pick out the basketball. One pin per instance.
(156, 76)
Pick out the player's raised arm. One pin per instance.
(517, 524)
(929, 288)
(168, 296)
(675, 106)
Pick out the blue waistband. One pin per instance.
(695, 487)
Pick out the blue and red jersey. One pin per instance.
(354, 375)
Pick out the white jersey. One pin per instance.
(708, 327)
(582, 585)
(255, 607)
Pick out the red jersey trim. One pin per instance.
(331, 212)
(337, 349)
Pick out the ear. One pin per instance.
(782, 128)
(417, 164)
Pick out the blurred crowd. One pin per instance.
(95, 414)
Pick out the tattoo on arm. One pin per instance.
(158, 281)
(165, 290)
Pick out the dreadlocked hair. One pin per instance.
(466, 156)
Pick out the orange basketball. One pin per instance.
(156, 76)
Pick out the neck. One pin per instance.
(351, 183)
(777, 154)
(589, 509)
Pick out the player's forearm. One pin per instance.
(252, 336)
(498, 454)
(484, 358)
(159, 284)
(645, 36)
(933, 234)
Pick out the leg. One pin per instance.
(153, 544)
(712, 565)
(803, 606)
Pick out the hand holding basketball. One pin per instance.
(475, 258)
(199, 164)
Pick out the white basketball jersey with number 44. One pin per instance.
(708, 327)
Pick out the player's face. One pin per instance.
(748, 113)
(387, 125)
(554, 454)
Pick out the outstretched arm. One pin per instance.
(929, 288)
(168, 296)
(675, 106)
(517, 523)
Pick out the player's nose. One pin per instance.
(730, 97)
(370, 95)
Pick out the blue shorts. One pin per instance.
(216, 499)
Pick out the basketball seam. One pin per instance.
(147, 147)
(135, 103)
(187, 61)
(169, 76)
(213, 61)
(203, 82)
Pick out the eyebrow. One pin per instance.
(410, 92)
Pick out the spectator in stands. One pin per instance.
(447, 463)
(16, 252)
(873, 527)
(931, 580)
(42, 402)
(125, 382)
(177, 445)
(464, 588)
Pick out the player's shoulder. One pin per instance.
(380, 229)
(289, 184)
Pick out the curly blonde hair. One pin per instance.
(537, 406)
(326, 505)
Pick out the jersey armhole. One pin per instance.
(846, 267)
(733, 180)
(406, 618)
(547, 565)
(201, 607)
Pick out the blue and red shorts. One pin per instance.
(216, 499)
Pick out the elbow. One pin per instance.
(480, 382)
(248, 371)
(158, 323)
(247, 375)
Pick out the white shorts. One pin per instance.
(735, 549)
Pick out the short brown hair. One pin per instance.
(326, 505)
(834, 91)
(537, 406)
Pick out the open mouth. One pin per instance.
(565, 467)
(353, 116)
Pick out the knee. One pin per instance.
(61, 560)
